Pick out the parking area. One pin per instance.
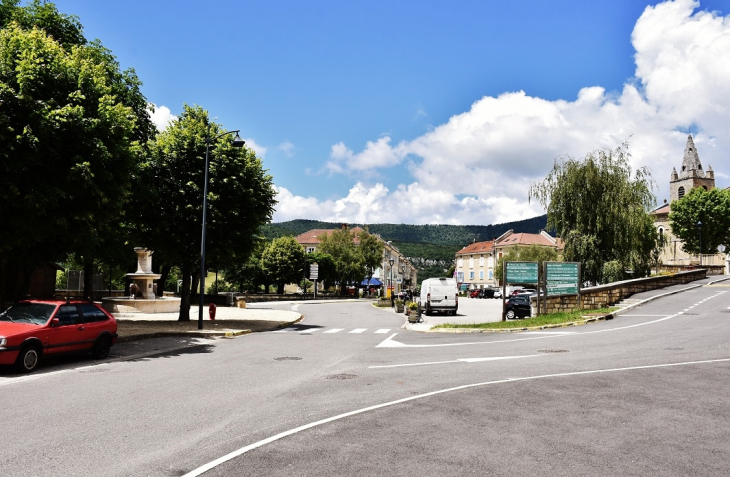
(471, 310)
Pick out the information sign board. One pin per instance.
(313, 271)
(521, 272)
(562, 278)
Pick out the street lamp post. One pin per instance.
(237, 142)
(699, 228)
(392, 298)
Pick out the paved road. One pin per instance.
(643, 394)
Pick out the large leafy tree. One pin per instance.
(371, 248)
(283, 262)
(169, 197)
(709, 207)
(601, 209)
(349, 260)
(71, 125)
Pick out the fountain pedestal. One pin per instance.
(148, 302)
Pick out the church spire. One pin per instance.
(691, 165)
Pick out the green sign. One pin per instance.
(562, 278)
(521, 272)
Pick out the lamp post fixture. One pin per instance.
(392, 298)
(238, 143)
(699, 228)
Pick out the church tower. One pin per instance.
(691, 175)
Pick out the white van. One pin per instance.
(439, 294)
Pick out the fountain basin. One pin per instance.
(127, 304)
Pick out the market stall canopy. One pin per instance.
(373, 282)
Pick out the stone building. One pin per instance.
(690, 176)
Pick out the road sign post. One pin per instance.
(313, 275)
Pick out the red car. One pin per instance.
(33, 328)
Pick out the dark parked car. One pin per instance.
(518, 306)
(486, 293)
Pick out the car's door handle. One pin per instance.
(81, 328)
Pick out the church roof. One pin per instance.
(691, 160)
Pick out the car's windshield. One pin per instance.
(36, 313)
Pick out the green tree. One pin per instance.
(71, 125)
(712, 209)
(169, 194)
(348, 258)
(327, 272)
(530, 253)
(371, 248)
(601, 211)
(283, 262)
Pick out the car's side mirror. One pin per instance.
(55, 322)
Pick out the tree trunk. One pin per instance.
(88, 279)
(164, 272)
(280, 288)
(185, 293)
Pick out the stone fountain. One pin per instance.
(145, 300)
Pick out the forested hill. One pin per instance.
(455, 235)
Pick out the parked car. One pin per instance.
(518, 306)
(521, 291)
(498, 293)
(33, 328)
(486, 293)
(474, 294)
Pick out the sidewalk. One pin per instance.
(230, 321)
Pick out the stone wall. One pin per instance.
(606, 295)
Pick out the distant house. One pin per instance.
(403, 274)
(475, 264)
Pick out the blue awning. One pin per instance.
(374, 282)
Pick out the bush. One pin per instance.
(613, 271)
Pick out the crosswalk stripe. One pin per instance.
(334, 330)
(308, 330)
(383, 331)
(358, 330)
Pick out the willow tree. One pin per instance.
(600, 207)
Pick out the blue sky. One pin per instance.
(430, 111)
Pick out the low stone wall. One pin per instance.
(606, 295)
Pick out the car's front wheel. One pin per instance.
(28, 359)
(510, 314)
(101, 348)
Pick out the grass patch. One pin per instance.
(551, 319)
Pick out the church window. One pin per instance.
(704, 187)
(680, 192)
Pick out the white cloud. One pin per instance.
(260, 150)
(161, 117)
(477, 167)
(287, 148)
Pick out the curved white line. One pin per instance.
(221, 460)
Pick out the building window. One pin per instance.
(461, 263)
(471, 262)
(491, 275)
(459, 277)
(490, 262)
(481, 274)
(471, 275)
(310, 249)
(680, 192)
(481, 260)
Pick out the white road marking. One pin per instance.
(237, 453)
(462, 360)
(295, 307)
(334, 330)
(308, 330)
(358, 330)
(382, 331)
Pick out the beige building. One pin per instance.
(476, 262)
(691, 175)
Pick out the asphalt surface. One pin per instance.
(348, 391)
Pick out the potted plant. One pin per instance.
(399, 306)
(413, 312)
